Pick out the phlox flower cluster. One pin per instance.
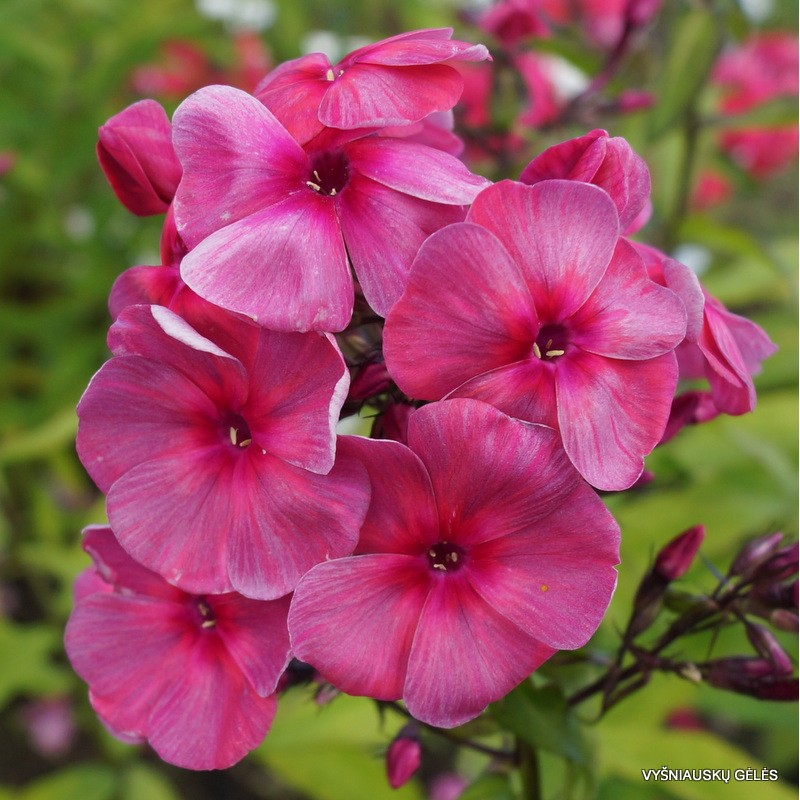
(323, 249)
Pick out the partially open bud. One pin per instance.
(403, 757)
(136, 154)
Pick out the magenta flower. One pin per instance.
(536, 306)
(607, 162)
(723, 347)
(396, 81)
(218, 456)
(269, 226)
(483, 552)
(136, 154)
(193, 675)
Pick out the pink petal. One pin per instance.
(135, 409)
(612, 413)
(211, 717)
(237, 159)
(561, 235)
(136, 154)
(624, 175)
(126, 648)
(417, 47)
(685, 284)
(354, 620)
(575, 159)
(255, 634)
(508, 476)
(212, 521)
(383, 230)
(299, 383)
(143, 286)
(174, 515)
(160, 335)
(525, 390)
(415, 169)
(402, 516)
(629, 316)
(487, 321)
(285, 266)
(556, 578)
(465, 655)
(373, 94)
(120, 570)
(293, 92)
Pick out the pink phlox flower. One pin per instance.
(725, 348)
(216, 451)
(537, 306)
(483, 552)
(135, 151)
(512, 21)
(396, 81)
(183, 67)
(763, 69)
(270, 226)
(603, 21)
(193, 675)
(605, 161)
(542, 104)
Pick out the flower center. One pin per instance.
(329, 173)
(445, 556)
(238, 431)
(551, 342)
(208, 620)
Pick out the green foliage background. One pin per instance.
(64, 69)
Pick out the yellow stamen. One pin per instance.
(314, 186)
(544, 587)
(245, 442)
(329, 75)
(553, 353)
(209, 623)
(536, 351)
(233, 433)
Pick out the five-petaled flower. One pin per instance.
(194, 675)
(218, 456)
(483, 552)
(536, 305)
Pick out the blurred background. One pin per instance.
(726, 209)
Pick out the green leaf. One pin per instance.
(541, 718)
(25, 665)
(84, 782)
(335, 751)
(489, 787)
(141, 782)
(692, 52)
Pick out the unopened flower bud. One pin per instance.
(634, 100)
(676, 557)
(136, 153)
(779, 566)
(754, 553)
(756, 677)
(784, 620)
(392, 423)
(369, 380)
(403, 757)
(767, 646)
